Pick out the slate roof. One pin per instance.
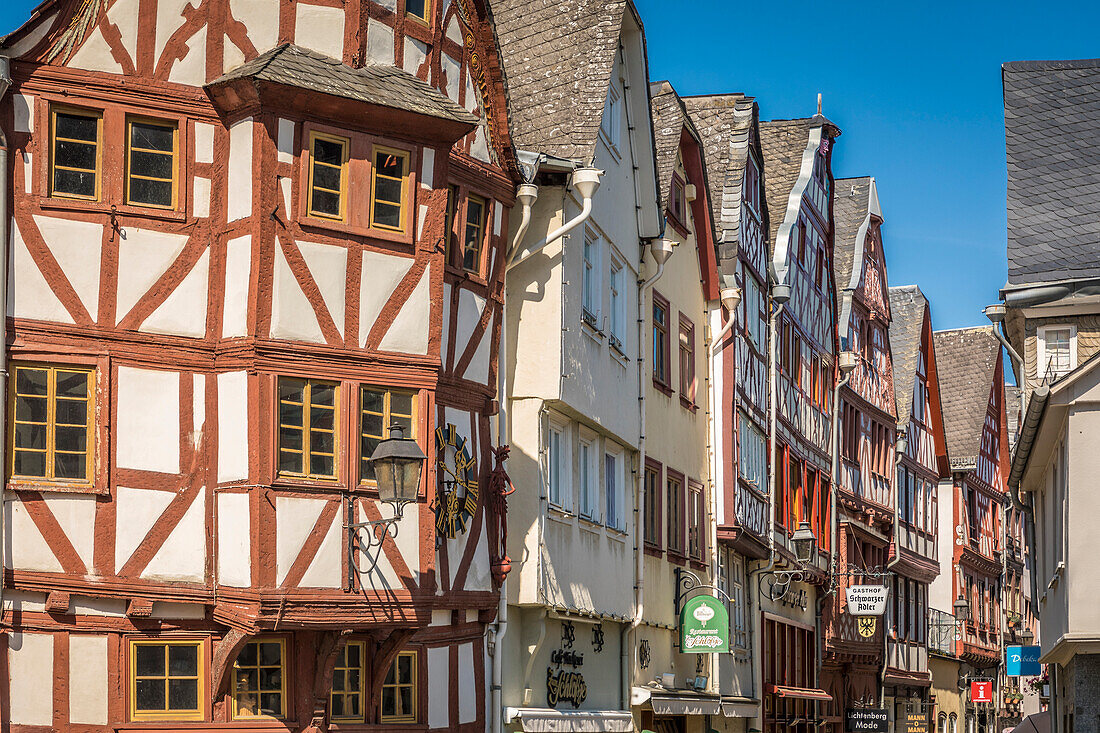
(557, 57)
(851, 199)
(1012, 410)
(725, 126)
(380, 84)
(966, 360)
(907, 308)
(669, 120)
(1052, 124)
(782, 143)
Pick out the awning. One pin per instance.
(740, 707)
(907, 679)
(800, 693)
(546, 720)
(685, 705)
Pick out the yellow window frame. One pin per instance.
(387, 416)
(345, 147)
(282, 678)
(50, 450)
(427, 12)
(153, 122)
(307, 431)
(200, 677)
(404, 179)
(403, 716)
(482, 225)
(334, 693)
(76, 111)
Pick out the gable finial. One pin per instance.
(819, 102)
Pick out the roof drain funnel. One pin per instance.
(586, 181)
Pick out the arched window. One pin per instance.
(941, 725)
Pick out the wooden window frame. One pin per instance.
(200, 713)
(174, 124)
(566, 475)
(696, 502)
(284, 689)
(657, 469)
(94, 438)
(416, 687)
(426, 18)
(452, 249)
(361, 718)
(676, 544)
(406, 189)
(688, 389)
(663, 382)
(54, 109)
(483, 236)
(338, 426)
(345, 165)
(678, 204)
(593, 512)
(363, 481)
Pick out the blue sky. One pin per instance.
(915, 87)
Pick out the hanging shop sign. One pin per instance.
(916, 722)
(866, 720)
(1022, 660)
(704, 626)
(866, 600)
(866, 626)
(981, 691)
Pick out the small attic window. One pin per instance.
(612, 118)
(677, 200)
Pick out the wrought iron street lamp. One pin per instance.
(961, 608)
(398, 463)
(804, 543)
(1026, 637)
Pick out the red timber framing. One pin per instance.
(244, 354)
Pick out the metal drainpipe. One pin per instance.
(5, 83)
(892, 563)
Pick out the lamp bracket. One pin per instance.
(687, 581)
(369, 543)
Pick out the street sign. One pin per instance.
(981, 691)
(704, 626)
(866, 600)
(867, 720)
(1022, 660)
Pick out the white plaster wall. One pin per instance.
(285, 140)
(29, 296)
(467, 689)
(36, 34)
(232, 426)
(294, 520)
(182, 557)
(239, 204)
(183, 312)
(191, 69)
(328, 264)
(172, 610)
(261, 17)
(452, 70)
(292, 316)
(23, 111)
(143, 258)
(380, 42)
(234, 549)
(136, 510)
(415, 54)
(88, 679)
(31, 675)
(204, 142)
(439, 687)
(200, 205)
(75, 513)
(95, 55)
(238, 264)
(86, 606)
(321, 29)
(326, 570)
(409, 331)
(169, 19)
(427, 168)
(378, 278)
(384, 576)
(24, 546)
(27, 602)
(147, 431)
(76, 246)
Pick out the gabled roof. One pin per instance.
(967, 361)
(851, 209)
(669, 121)
(725, 123)
(378, 84)
(1052, 124)
(558, 56)
(907, 306)
(1012, 412)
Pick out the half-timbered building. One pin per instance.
(971, 381)
(866, 416)
(246, 239)
(798, 184)
(914, 552)
(728, 125)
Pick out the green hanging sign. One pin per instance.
(704, 626)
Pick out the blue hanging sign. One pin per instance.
(1022, 661)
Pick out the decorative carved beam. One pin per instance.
(384, 655)
(225, 653)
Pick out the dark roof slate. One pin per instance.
(557, 57)
(669, 120)
(725, 125)
(851, 201)
(782, 142)
(1012, 411)
(380, 84)
(1052, 123)
(966, 360)
(907, 308)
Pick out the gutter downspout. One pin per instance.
(5, 83)
(661, 249)
(587, 182)
(898, 453)
(526, 194)
(781, 294)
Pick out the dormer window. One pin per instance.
(328, 176)
(1057, 351)
(612, 113)
(677, 200)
